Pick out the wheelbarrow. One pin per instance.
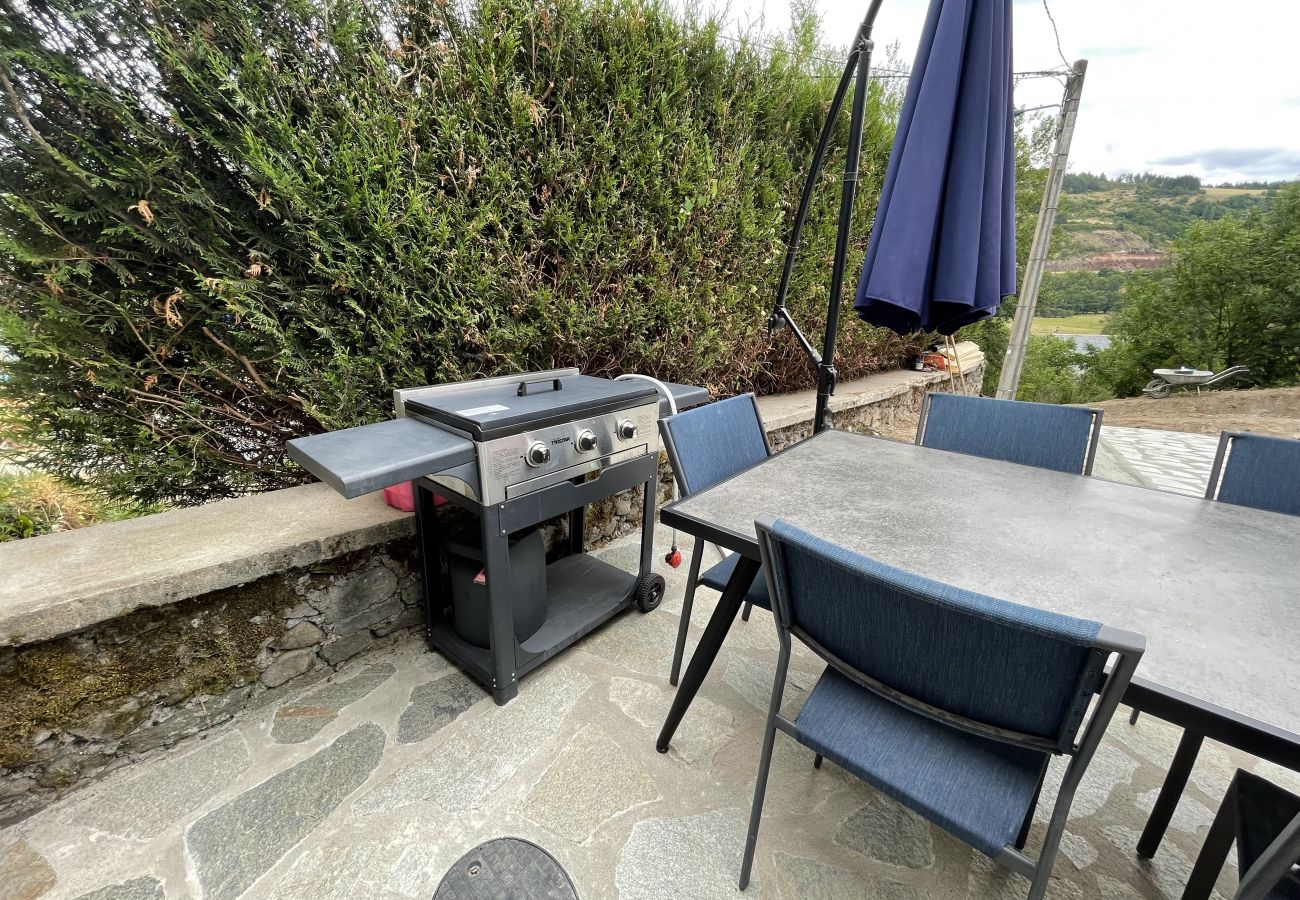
(1167, 379)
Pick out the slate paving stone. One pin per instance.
(1110, 767)
(393, 859)
(692, 856)
(1190, 815)
(24, 873)
(1167, 871)
(888, 832)
(232, 846)
(642, 643)
(436, 704)
(752, 679)
(702, 732)
(989, 881)
(462, 771)
(142, 807)
(1077, 850)
(591, 781)
(305, 717)
(1164, 460)
(143, 888)
(799, 878)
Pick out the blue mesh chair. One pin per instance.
(706, 445)
(950, 702)
(1257, 470)
(1264, 821)
(1045, 435)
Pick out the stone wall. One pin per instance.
(80, 706)
(886, 405)
(124, 638)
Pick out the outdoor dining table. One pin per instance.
(1212, 586)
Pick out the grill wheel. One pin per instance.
(650, 592)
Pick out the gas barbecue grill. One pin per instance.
(515, 451)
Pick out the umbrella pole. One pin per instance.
(859, 65)
(826, 374)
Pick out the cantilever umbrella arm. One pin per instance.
(857, 71)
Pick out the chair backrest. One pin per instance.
(997, 668)
(1257, 470)
(1045, 435)
(711, 443)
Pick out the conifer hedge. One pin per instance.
(226, 223)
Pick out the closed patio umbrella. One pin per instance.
(943, 246)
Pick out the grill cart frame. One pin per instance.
(473, 462)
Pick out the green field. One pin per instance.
(1218, 193)
(1082, 324)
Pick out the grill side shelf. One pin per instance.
(686, 395)
(356, 461)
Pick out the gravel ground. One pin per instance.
(1266, 410)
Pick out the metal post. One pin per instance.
(858, 65)
(826, 368)
(1026, 303)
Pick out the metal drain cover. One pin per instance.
(506, 869)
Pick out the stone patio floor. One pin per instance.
(373, 782)
(1174, 461)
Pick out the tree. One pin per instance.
(1232, 297)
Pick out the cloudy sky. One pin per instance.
(1173, 86)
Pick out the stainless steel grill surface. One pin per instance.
(535, 433)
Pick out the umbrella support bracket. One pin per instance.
(781, 318)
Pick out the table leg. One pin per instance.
(1170, 792)
(707, 650)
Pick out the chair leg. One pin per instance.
(1214, 852)
(765, 761)
(817, 761)
(1133, 716)
(744, 613)
(684, 625)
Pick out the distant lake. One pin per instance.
(1083, 341)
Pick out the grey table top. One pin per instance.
(1212, 586)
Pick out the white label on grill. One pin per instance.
(506, 461)
(482, 410)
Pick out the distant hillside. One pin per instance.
(1128, 222)
(1109, 226)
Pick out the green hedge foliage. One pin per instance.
(226, 223)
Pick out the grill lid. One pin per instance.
(500, 410)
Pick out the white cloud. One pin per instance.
(1170, 85)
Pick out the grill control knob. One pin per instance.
(538, 454)
(626, 430)
(586, 440)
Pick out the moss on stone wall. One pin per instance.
(102, 684)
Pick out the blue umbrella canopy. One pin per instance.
(943, 245)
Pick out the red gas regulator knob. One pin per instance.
(674, 558)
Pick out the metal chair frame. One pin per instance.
(1257, 881)
(1220, 459)
(693, 574)
(1094, 432)
(1126, 646)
